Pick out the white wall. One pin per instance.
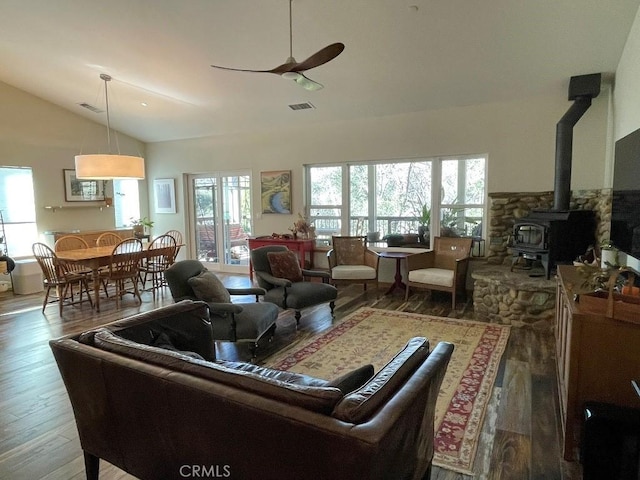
(45, 137)
(519, 138)
(626, 92)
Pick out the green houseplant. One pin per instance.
(140, 225)
(424, 219)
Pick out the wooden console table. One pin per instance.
(597, 357)
(300, 246)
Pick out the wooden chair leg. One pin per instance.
(46, 298)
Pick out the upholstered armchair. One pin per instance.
(232, 322)
(277, 271)
(444, 268)
(350, 261)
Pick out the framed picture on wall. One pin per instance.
(82, 190)
(275, 191)
(164, 192)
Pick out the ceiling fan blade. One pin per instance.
(242, 69)
(320, 58)
(307, 83)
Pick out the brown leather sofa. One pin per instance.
(149, 397)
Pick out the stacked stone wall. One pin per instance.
(513, 298)
(505, 208)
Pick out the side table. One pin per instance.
(398, 283)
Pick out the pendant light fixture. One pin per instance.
(109, 166)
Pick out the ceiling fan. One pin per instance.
(293, 70)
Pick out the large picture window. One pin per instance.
(389, 197)
(18, 210)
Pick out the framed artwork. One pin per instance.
(275, 191)
(82, 190)
(164, 190)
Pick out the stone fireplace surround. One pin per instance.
(514, 298)
(505, 207)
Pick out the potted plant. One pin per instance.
(424, 219)
(140, 225)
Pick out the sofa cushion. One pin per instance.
(352, 380)
(362, 403)
(282, 375)
(285, 265)
(208, 287)
(290, 388)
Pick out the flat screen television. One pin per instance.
(625, 207)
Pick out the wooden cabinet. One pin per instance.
(91, 236)
(597, 357)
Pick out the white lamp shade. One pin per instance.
(109, 167)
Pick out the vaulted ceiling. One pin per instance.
(400, 56)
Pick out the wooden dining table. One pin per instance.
(96, 257)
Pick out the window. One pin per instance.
(126, 201)
(387, 197)
(462, 197)
(18, 210)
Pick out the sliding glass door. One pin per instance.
(220, 219)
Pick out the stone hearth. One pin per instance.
(513, 298)
(505, 208)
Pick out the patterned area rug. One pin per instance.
(374, 336)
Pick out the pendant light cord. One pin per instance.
(290, 31)
(106, 79)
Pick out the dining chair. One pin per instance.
(123, 268)
(70, 242)
(178, 237)
(154, 266)
(59, 278)
(108, 239)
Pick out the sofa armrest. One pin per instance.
(257, 291)
(371, 258)
(316, 274)
(331, 258)
(361, 404)
(278, 282)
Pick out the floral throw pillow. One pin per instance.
(285, 265)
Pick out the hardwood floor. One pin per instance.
(520, 438)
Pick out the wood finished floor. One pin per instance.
(520, 437)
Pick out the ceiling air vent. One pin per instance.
(301, 106)
(91, 107)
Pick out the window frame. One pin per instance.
(19, 245)
(437, 205)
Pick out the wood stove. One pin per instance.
(560, 234)
(552, 236)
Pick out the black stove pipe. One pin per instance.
(564, 148)
(582, 89)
